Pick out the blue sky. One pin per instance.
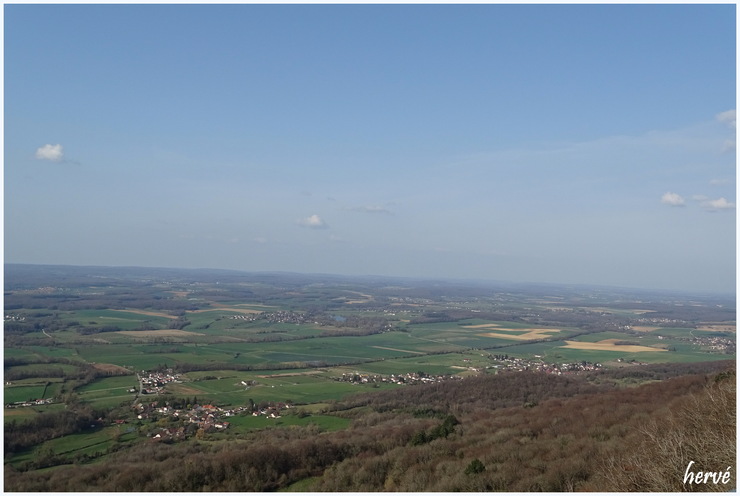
(588, 144)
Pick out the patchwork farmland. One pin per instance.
(181, 357)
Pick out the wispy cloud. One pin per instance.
(313, 222)
(718, 182)
(729, 146)
(54, 153)
(673, 199)
(728, 117)
(718, 204)
(371, 209)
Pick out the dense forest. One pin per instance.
(528, 431)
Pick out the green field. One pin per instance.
(228, 390)
(13, 394)
(94, 442)
(118, 318)
(323, 422)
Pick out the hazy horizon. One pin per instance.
(555, 144)
(499, 284)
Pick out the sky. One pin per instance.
(567, 144)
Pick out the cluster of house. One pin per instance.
(247, 317)
(522, 364)
(207, 417)
(409, 378)
(273, 410)
(154, 382)
(716, 344)
(287, 317)
(14, 318)
(19, 404)
(661, 320)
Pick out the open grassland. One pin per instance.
(109, 391)
(448, 363)
(123, 319)
(447, 338)
(228, 389)
(26, 412)
(106, 384)
(41, 352)
(30, 392)
(243, 423)
(40, 369)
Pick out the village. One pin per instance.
(19, 404)
(154, 382)
(408, 379)
(171, 423)
(521, 364)
(716, 344)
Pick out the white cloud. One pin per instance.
(673, 199)
(727, 117)
(719, 182)
(718, 204)
(50, 152)
(728, 146)
(314, 222)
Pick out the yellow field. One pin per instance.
(532, 334)
(609, 345)
(527, 334)
(160, 333)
